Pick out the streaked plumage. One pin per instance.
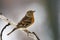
(26, 21)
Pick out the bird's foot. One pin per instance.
(31, 35)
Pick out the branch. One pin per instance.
(36, 35)
(2, 17)
(7, 21)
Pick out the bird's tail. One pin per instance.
(12, 31)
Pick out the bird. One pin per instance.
(26, 22)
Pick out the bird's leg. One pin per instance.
(27, 31)
(32, 34)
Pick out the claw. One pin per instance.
(31, 35)
(28, 34)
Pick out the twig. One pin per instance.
(3, 29)
(36, 35)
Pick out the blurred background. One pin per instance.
(46, 18)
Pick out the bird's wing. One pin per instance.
(26, 21)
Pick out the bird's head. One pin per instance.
(30, 13)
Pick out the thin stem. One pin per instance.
(3, 29)
(36, 35)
